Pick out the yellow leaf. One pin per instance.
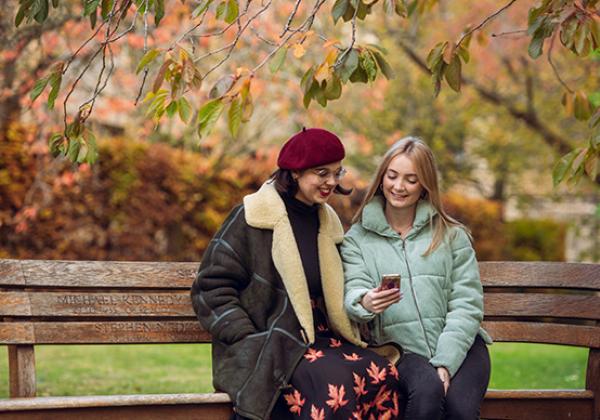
(331, 43)
(299, 50)
(323, 72)
(331, 57)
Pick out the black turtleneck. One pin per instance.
(305, 224)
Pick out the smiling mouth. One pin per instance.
(325, 193)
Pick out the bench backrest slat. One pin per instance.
(96, 304)
(97, 274)
(542, 305)
(102, 332)
(540, 274)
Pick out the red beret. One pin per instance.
(309, 148)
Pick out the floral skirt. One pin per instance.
(338, 380)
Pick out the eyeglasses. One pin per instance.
(325, 174)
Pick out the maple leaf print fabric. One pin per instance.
(338, 380)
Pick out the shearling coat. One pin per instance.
(442, 309)
(251, 294)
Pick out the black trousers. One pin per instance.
(424, 391)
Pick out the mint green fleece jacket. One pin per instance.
(442, 309)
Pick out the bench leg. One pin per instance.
(592, 380)
(21, 367)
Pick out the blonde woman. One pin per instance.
(435, 311)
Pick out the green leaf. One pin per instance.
(581, 108)
(185, 109)
(159, 11)
(464, 53)
(208, 116)
(73, 150)
(333, 89)
(90, 7)
(383, 65)
(107, 6)
(389, 6)
(536, 45)
(172, 108)
(21, 13)
(348, 65)
(202, 7)
(235, 116)
(563, 166)
(93, 19)
(368, 64)
(567, 33)
(147, 59)
(435, 55)
(359, 76)
(83, 152)
(92, 155)
(55, 144)
(54, 80)
(581, 35)
(319, 95)
(221, 8)
(42, 10)
(247, 107)
(278, 60)
(307, 80)
(378, 48)
(222, 86)
(38, 88)
(453, 73)
(232, 11)
(339, 9)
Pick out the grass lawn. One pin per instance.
(183, 368)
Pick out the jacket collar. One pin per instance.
(373, 217)
(266, 210)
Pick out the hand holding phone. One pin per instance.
(390, 281)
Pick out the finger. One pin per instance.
(386, 301)
(385, 293)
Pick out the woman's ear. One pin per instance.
(295, 175)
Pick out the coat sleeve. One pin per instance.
(357, 281)
(220, 278)
(465, 306)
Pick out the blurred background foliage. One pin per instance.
(157, 192)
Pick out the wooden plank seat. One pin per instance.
(82, 302)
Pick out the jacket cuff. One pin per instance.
(356, 311)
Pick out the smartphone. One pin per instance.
(390, 281)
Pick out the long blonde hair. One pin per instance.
(422, 158)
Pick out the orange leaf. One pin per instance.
(352, 358)
(295, 401)
(360, 383)
(381, 398)
(375, 373)
(337, 397)
(316, 413)
(333, 343)
(312, 355)
(393, 371)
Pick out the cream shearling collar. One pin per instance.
(266, 210)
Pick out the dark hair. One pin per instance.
(286, 184)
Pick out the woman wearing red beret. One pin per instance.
(270, 290)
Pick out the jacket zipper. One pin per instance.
(414, 295)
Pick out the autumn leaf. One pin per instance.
(298, 50)
(352, 358)
(295, 401)
(382, 397)
(316, 413)
(393, 370)
(312, 355)
(357, 415)
(333, 343)
(360, 383)
(385, 416)
(396, 409)
(337, 397)
(375, 373)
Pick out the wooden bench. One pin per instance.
(68, 302)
